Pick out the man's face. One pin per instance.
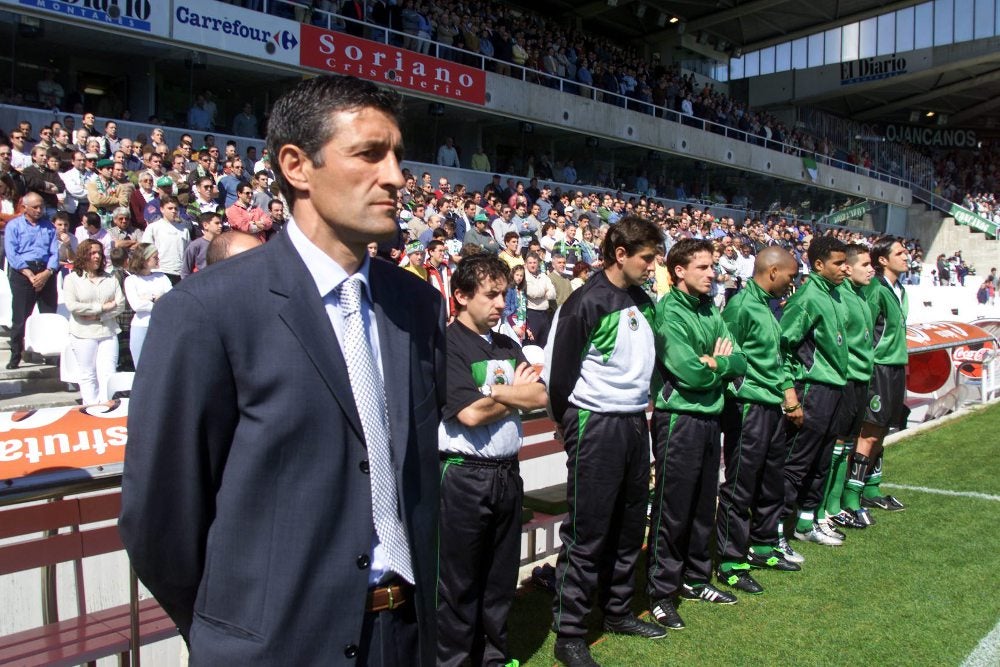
(559, 264)
(436, 256)
(156, 136)
(861, 271)
(45, 134)
(169, 211)
(697, 275)
(79, 161)
(155, 162)
(145, 181)
(443, 185)
(570, 232)
(245, 194)
(411, 183)
(17, 140)
(354, 192)
(178, 163)
(52, 163)
(521, 210)
(5, 154)
(898, 260)
(111, 130)
(512, 245)
(278, 211)
(118, 171)
(34, 209)
(121, 221)
(531, 265)
(834, 268)
(230, 151)
(535, 210)
(418, 212)
(213, 226)
(88, 119)
(237, 166)
(637, 267)
(25, 129)
(485, 307)
(61, 226)
(205, 189)
(62, 137)
(470, 210)
(126, 146)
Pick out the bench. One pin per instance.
(71, 530)
(543, 508)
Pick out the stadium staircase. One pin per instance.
(32, 385)
(939, 234)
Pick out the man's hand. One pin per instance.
(723, 348)
(795, 416)
(525, 373)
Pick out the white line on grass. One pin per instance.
(942, 492)
(987, 653)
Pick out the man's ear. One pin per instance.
(295, 166)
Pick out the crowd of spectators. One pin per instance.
(972, 179)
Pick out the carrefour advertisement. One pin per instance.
(243, 32)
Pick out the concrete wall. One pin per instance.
(509, 97)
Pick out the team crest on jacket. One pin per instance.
(633, 323)
(499, 377)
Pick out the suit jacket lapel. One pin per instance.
(394, 344)
(305, 315)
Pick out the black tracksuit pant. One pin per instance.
(607, 489)
(24, 297)
(753, 493)
(686, 449)
(479, 554)
(810, 447)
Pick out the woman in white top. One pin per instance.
(94, 299)
(143, 288)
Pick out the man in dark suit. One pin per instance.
(279, 501)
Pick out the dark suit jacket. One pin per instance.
(246, 506)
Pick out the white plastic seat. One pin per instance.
(119, 382)
(46, 334)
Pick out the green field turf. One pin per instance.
(918, 588)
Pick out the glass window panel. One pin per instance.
(767, 60)
(963, 20)
(736, 68)
(751, 64)
(783, 57)
(722, 73)
(923, 26)
(815, 50)
(944, 22)
(904, 30)
(850, 49)
(886, 35)
(832, 46)
(867, 37)
(985, 14)
(800, 59)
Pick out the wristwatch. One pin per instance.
(486, 390)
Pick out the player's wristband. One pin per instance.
(791, 408)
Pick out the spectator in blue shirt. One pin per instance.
(32, 249)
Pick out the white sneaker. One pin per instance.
(828, 530)
(791, 554)
(814, 534)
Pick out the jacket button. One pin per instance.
(363, 561)
(364, 466)
(350, 651)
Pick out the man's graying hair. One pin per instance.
(303, 117)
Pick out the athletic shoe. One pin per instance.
(707, 593)
(574, 653)
(740, 580)
(776, 560)
(665, 613)
(630, 625)
(887, 503)
(863, 516)
(845, 519)
(814, 534)
(788, 552)
(828, 530)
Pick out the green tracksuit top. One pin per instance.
(813, 338)
(889, 319)
(860, 346)
(755, 329)
(686, 328)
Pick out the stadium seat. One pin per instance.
(46, 334)
(120, 382)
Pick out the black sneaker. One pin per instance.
(707, 593)
(630, 625)
(773, 561)
(887, 503)
(846, 520)
(573, 653)
(665, 613)
(863, 516)
(740, 580)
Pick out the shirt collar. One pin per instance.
(326, 273)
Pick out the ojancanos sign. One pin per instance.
(148, 16)
(970, 219)
(343, 54)
(931, 136)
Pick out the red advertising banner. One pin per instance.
(66, 438)
(344, 54)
